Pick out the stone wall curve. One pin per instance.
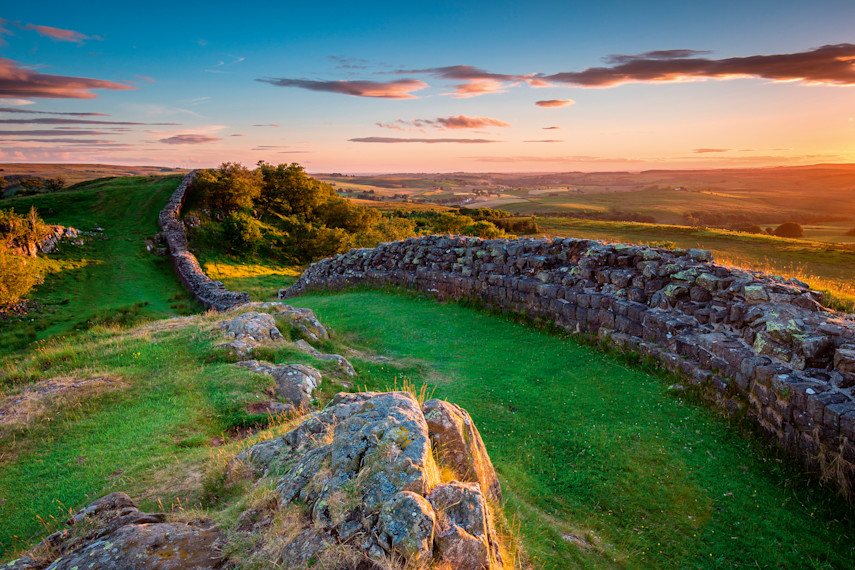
(756, 345)
(213, 294)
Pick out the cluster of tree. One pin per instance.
(32, 185)
(291, 216)
(18, 274)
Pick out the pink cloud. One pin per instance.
(384, 90)
(477, 81)
(555, 103)
(16, 81)
(706, 150)
(546, 141)
(189, 139)
(267, 125)
(57, 121)
(828, 64)
(426, 141)
(551, 128)
(33, 112)
(58, 34)
(453, 122)
(146, 78)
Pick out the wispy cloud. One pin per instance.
(454, 122)
(189, 139)
(829, 64)
(706, 150)
(57, 121)
(34, 112)
(266, 125)
(555, 103)
(426, 141)
(4, 31)
(223, 65)
(17, 81)
(385, 90)
(53, 133)
(557, 159)
(58, 34)
(551, 128)
(546, 141)
(343, 62)
(146, 78)
(65, 141)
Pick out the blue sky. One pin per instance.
(701, 89)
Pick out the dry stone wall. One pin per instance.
(212, 294)
(756, 344)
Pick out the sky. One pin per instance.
(392, 87)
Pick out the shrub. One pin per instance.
(242, 232)
(789, 229)
(55, 184)
(229, 188)
(483, 229)
(850, 232)
(17, 276)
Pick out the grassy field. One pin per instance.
(600, 464)
(74, 173)
(110, 276)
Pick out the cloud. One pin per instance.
(588, 159)
(66, 141)
(546, 141)
(385, 90)
(16, 102)
(17, 81)
(52, 133)
(476, 81)
(146, 78)
(705, 150)
(555, 103)
(267, 125)
(237, 135)
(427, 141)
(828, 64)
(4, 31)
(551, 128)
(656, 54)
(55, 121)
(458, 122)
(235, 60)
(189, 139)
(33, 112)
(343, 62)
(58, 34)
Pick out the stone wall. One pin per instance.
(756, 345)
(212, 294)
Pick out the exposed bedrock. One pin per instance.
(755, 344)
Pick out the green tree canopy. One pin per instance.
(229, 188)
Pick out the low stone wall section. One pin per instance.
(756, 345)
(212, 294)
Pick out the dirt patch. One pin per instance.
(46, 397)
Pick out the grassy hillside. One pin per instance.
(601, 465)
(111, 276)
(74, 173)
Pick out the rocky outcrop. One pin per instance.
(47, 243)
(362, 472)
(294, 382)
(113, 533)
(757, 345)
(212, 294)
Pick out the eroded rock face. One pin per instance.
(459, 445)
(295, 382)
(116, 534)
(363, 472)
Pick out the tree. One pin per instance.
(289, 190)
(31, 185)
(3, 185)
(17, 276)
(229, 188)
(55, 184)
(789, 229)
(243, 232)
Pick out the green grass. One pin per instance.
(587, 444)
(112, 271)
